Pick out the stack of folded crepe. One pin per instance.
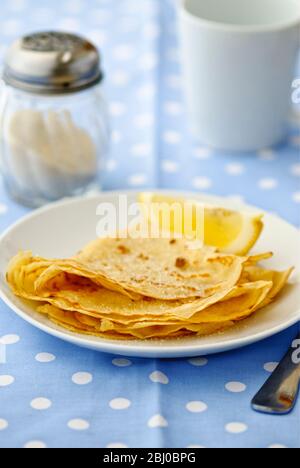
(146, 288)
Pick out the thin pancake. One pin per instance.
(278, 278)
(69, 321)
(71, 292)
(162, 269)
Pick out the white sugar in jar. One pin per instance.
(53, 118)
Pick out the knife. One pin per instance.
(279, 394)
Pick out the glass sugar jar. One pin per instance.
(53, 118)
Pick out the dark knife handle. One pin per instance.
(279, 394)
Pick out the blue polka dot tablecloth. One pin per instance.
(53, 394)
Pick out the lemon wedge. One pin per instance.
(230, 231)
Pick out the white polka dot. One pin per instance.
(117, 109)
(3, 208)
(119, 403)
(159, 377)
(9, 339)
(82, 378)
(169, 166)
(296, 197)
(78, 424)
(266, 154)
(121, 362)
(157, 421)
(137, 180)
(295, 140)
(147, 91)
(173, 108)
(196, 406)
(198, 361)
(277, 446)
(120, 78)
(69, 24)
(201, 183)
(40, 404)
(99, 38)
(141, 149)
(172, 138)
(174, 81)
(124, 52)
(202, 152)
(111, 165)
(235, 387)
(3, 424)
(6, 380)
(144, 120)
(236, 428)
(35, 444)
(148, 61)
(196, 446)
(117, 445)
(45, 357)
(235, 169)
(267, 183)
(271, 366)
(295, 170)
(116, 137)
(151, 31)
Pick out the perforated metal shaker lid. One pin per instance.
(52, 63)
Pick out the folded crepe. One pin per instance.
(112, 289)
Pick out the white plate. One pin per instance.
(61, 229)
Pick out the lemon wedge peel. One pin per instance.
(230, 231)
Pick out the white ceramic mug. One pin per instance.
(238, 64)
